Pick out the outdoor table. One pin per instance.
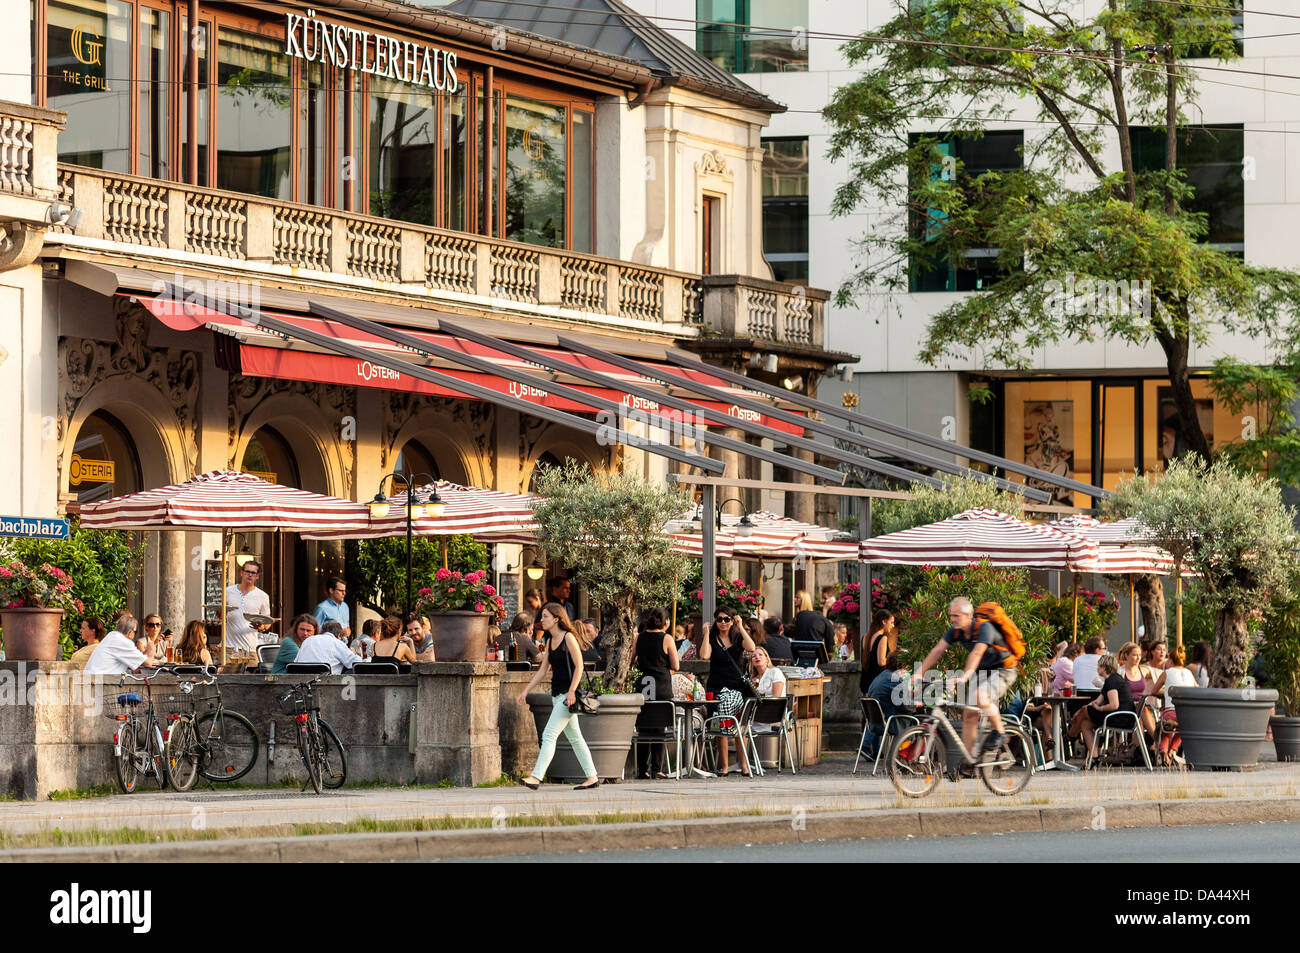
(1061, 722)
(689, 705)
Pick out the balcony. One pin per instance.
(28, 186)
(181, 225)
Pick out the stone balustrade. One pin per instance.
(308, 241)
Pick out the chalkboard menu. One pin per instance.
(508, 590)
(212, 590)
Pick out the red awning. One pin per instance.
(245, 348)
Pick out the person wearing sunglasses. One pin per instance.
(245, 599)
(725, 649)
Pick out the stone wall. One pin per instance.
(439, 722)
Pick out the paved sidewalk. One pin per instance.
(827, 788)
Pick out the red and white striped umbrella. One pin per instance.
(780, 537)
(488, 515)
(224, 499)
(1121, 547)
(979, 534)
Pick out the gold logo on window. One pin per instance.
(88, 51)
(534, 146)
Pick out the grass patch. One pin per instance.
(76, 794)
(505, 781)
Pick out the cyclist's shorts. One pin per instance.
(996, 681)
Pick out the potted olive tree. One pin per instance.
(608, 531)
(1237, 536)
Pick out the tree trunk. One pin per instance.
(1180, 385)
(618, 640)
(1231, 648)
(1150, 594)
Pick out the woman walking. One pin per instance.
(562, 646)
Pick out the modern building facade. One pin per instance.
(1094, 411)
(393, 162)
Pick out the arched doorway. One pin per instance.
(105, 463)
(415, 460)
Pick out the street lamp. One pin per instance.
(744, 530)
(379, 508)
(535, 569)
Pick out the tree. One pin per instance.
(1234, 531)
(376, 568)
(1269, 441)
(608, 531)
(1085, 250)
(929, 504)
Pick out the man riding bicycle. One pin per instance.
(986, 659)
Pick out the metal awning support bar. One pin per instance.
(277, 326)
(848, 436)
(688, 406)
(487, 366)
(884, 426)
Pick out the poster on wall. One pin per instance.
(1172, 444)
(1049, 444)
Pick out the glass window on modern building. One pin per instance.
(785, 207)
(967, 158)
(1212, 159)
(754, 36)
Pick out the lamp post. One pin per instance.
(432, 504)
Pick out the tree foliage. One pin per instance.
(608, 531)
(930, 504)
(1269, 443)
(1070, 219)
(1234, 531)
(376, 568)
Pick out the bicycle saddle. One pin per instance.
(131, 698)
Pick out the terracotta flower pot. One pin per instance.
(31, 634)
(459, 636)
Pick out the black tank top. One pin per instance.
(561, 667)
(870, 667)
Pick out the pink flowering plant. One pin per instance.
(40, 587)
(735, 597)
(454, 591)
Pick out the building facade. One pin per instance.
(1094, 411)
(393, 162)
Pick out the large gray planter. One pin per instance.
(1286, 737)
(1223, 727)
(608, 734)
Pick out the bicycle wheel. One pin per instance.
(157, 750)
(228, 743)
(309, 749)
(182, 754)
(128, 774)
(334, 770)
(1006, 771)
(916, 762)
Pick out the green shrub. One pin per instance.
(1097, 613)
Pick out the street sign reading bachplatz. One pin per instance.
(34, 527)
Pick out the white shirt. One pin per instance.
(324, 647)
(1177, 678)
(772, 677)
(239, 634)
(1085, 672)
(115, 655)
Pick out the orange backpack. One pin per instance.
(1014, 641)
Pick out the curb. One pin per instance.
(704, 832)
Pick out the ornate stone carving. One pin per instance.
(84, 363)
(713, 162)
(476, 416)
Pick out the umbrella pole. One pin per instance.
(673, 627)
(225, 555)
(1074, 635)
(1132, 613)
(444, 551)
(1178, 601)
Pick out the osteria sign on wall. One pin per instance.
(347, 47)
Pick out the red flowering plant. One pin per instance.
(42, 587)
(735, 597)
(453, 591)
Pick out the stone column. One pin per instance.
(735, 463)
(172, 568)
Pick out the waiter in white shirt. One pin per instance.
(244, 599)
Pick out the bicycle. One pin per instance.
(319, 747)
(139, 746)
(208, 739)
(919, 755)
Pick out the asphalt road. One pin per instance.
(1228, 843)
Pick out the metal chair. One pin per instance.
(774, 713)
(1122, 724)
(873, 716)
(1025, 722)
(657, 725)
(727, 727)
(307, 668)
(266, 655)
(374, 668)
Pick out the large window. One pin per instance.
(785, 207)
(88, 71)
(154, 93)
(754, 36)
(967, 159)
(313, 125)
(535, 173)
(1212, 160)
(253, 115)
(403, 130)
